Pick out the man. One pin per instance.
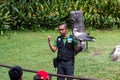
(15, 73)
(66, 46)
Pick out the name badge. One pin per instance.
(69, 40)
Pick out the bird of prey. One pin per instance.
(82, 36)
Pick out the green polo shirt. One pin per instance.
(65, 39)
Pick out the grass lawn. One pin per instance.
(31, 51)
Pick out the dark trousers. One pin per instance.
(65, 68)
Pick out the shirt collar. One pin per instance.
(65, 37)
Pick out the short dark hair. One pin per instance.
(15, 73)
(37, 77)
(65, 24)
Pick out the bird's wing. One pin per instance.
(83, 36)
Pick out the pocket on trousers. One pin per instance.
(55, 62)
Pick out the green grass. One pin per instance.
(31, 51)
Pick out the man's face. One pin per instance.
(62, 30)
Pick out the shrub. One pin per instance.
(47, 14)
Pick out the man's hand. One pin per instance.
(52, 47)
(49, 38)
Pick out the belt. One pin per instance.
(67, 60)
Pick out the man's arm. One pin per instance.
(77, 46)
(52, 47)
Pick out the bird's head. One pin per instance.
(75, 30)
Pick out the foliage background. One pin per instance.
(36, 15)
